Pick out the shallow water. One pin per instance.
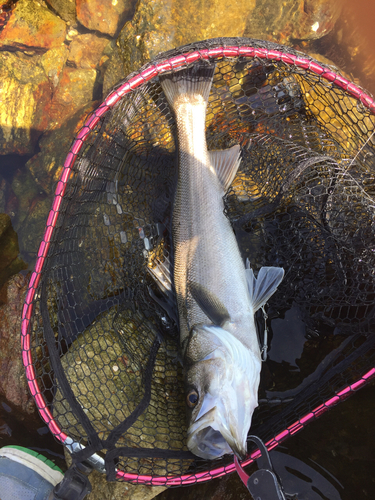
(343, 440)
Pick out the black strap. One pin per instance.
(92, 436)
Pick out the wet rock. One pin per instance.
(32, 229)
(87, 51)
(3, 194)
(103, 490)
(13, 383)
(46, 165)
(285, 22)
(114, 72)
(97, 359)
(10, 262)
(53, 62)
(26, 96)
(75, 89)
(161, 25)
(28, 193)
(32, 26)
(66, 9)
(106, 16)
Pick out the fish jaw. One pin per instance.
(227, 381)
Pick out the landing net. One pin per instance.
(100, 352)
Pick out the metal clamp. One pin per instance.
(263, 484)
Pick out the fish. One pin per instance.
(217, 293)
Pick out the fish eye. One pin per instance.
(192, 398)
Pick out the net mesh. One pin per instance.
(102, 348)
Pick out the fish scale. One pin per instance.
(206, 250)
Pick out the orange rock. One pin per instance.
(31, 26)
(75, 89)
(106, 16)
(86, 51)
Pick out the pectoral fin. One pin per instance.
(226, 164)
(212, 307)
(264, 286)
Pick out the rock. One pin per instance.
(32, 229)
(53, 62)
(46, 165)
(97, 359)
(28, 193)
(75, 89)
(86, 51)
(13, 383)
(26, 95)
(32, 26)
(285, 22)
(106, 16)
(161, 25)
(3, 194)
(114, 72)
(66, 9)
(10, 262)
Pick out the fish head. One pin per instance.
(221, 381)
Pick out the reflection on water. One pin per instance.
(288, 338)
(351, 45)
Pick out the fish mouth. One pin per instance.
(209, 437)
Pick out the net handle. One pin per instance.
(147, 73)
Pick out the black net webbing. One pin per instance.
(105, 351)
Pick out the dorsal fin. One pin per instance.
(225, 164)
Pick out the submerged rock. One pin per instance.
(161, 25)
(86, 51)
(13, 383)
(285, 22)
(32, 26)
(105, 16)
(105, 370)
(46, 165)
(26, 96)
(53, 62)
(10, 262)
(76, 89)
(66, 9)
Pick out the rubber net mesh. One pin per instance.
(104, 350)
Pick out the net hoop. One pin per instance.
(135, 80)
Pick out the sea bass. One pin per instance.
(217, 295)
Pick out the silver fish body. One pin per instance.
(216, 295)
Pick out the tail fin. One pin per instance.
(196, 80)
